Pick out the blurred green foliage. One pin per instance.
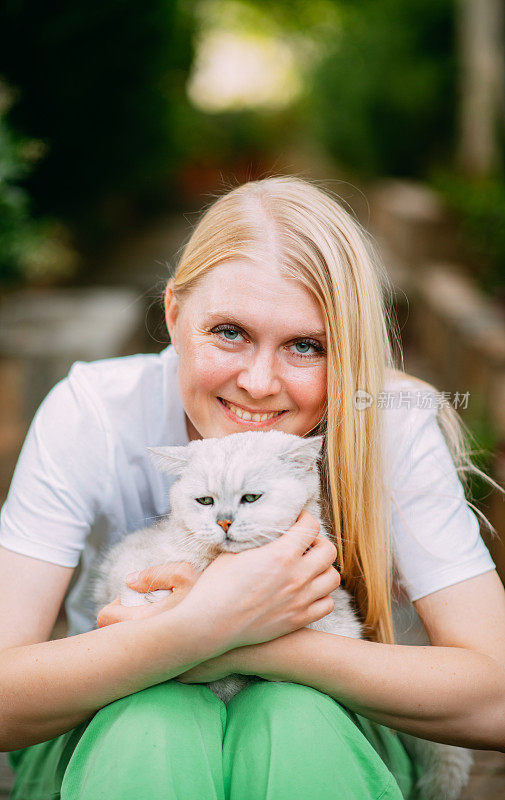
(383, 100)
(480, 207)
(29, 247)
(103, 89)
(18, 230)
(103, 86)
(484, 440)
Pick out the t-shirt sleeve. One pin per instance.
(436, 535)
(61, 477)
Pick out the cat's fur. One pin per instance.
(283, 470)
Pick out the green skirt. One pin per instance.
(274, 741)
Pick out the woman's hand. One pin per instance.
(178, 576)
(268, 591)
(211, 670)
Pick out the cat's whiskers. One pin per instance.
(186, 545)
(257, 538)
(273, 533)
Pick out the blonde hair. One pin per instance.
(313, 239)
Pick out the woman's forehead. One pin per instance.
(242, 288)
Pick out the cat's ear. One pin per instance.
(304, 451)
(170, 459)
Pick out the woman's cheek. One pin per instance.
(308, 388)
(207, 369)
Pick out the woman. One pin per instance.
(276, 311)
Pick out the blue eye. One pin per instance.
(228, 333)
(249, 498)
(304, 345)
(205, 501)
(303, 348)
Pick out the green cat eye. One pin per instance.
(205, 501)
(249, 498)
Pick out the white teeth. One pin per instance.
(245, 415)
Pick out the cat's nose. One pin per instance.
(224, 523)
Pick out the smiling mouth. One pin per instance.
(247, 416)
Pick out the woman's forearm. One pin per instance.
(447, 694)
(50, 687)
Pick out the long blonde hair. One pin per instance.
(313, 239)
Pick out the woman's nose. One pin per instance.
(259, 377)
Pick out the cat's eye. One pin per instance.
(249, 498)
(205, 501)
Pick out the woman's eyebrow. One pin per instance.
(226, 316)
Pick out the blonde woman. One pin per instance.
(277, 309)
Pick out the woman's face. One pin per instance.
(252, 352)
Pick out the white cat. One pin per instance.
(238, 492)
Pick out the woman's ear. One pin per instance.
(171, 312)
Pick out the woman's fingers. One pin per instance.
(115, 612)
(179, 575)
(299, 537)
(303, 539)
(319, 609)
(323, 585)
(311, 555)
(321, 555)
(304, 534)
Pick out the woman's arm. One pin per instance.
(47, 688)
(453, 692)
(50, 687)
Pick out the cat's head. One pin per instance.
(241, 490)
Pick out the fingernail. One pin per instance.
(132, 577)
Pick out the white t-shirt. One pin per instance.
(84, 478)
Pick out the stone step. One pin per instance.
(42, 333)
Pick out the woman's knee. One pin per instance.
(155, 695)
(146, 745)
(286, 723)
(294, 713)
(289, 711)
(291, 700)
(167, 702)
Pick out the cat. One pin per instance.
(238, 492)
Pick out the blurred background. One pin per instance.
(120, 121)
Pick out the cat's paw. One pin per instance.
(129, 597)
(158, 594)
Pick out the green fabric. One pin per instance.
(274, 741)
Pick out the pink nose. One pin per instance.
(224, 523)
